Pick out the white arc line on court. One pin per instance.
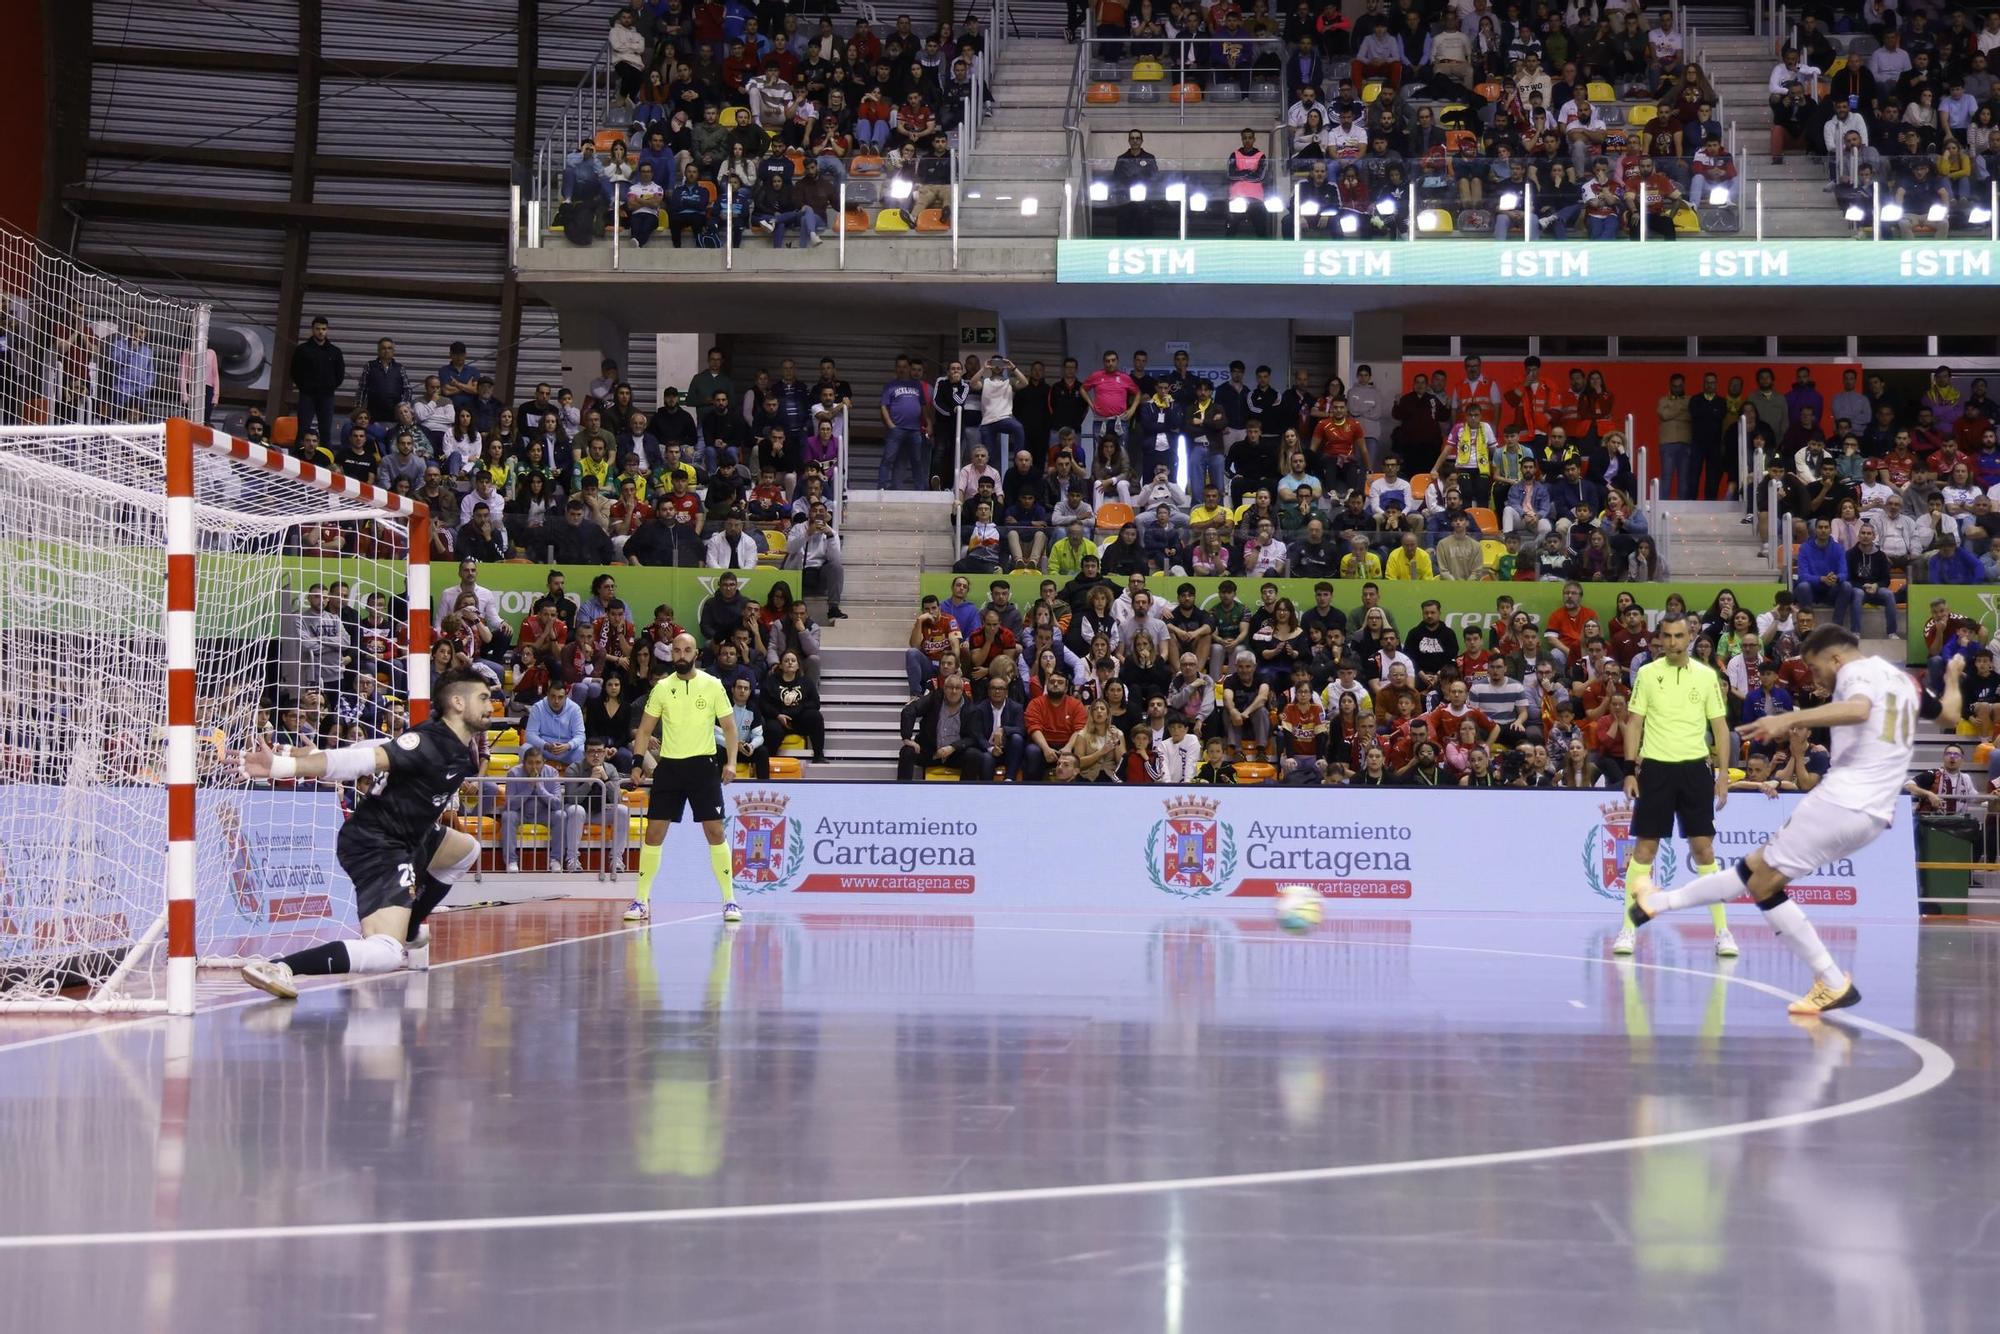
(1935, 1066)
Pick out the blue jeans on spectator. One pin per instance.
(1841, 597)
(1206, 465)
(833, 168)
(903, 444)
(643, 226)
(871, 134)
(802, 218)
(1006, 428)
(1603, 229)
(1676, 471)
(918, 668)
(1882, 598)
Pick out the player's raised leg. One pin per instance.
(1832, 988)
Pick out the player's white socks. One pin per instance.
(1714, 887)
(1789, 921)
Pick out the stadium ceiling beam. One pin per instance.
(358, 284)
(224, 212)
(209, 155)
(66, 31)
(527, 34)
(296, 217)
(199, 61)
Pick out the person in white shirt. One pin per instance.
(1136, 601)
(1308, 103)
(1346, 137)
(1665, 44)
(1788, 71)
(1390, 483)
(1583, 129)
(997, 423)
(732, 548)
(1179, 756)
(1873, 717)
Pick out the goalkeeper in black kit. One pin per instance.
(401, 858)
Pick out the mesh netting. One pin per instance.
(301, 631)
(78, 346)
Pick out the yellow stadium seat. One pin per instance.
(1452, 111)
(733, 116)
(496, 765)
(1641, 113)
(932, 220)
(1440, 221)
(891, 220)
(1687, 220)
(1600, 93)
(533, 835)
(1371, 90)
(1490, 552)
(792, 741)
(1101, 94)
(485, 828)
(1148, 71)
(505, 738)
(1187, 94)
(941, 773)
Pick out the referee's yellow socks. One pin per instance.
(722, 860)
(1638, 880)
(1716, 912)
(649, 866)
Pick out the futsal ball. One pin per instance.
(1298, 908)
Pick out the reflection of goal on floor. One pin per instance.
(167, 596)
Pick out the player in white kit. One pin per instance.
(1873, 716)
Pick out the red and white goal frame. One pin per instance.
(178, 493)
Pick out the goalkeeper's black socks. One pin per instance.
(319, 960)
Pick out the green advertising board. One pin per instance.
(1705, 264)
(1979, 602)
(641, 587)
(1462, 603)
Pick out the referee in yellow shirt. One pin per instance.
(687, 707)
(1677, 766)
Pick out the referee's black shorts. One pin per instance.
(691, 783)
(1681, 790)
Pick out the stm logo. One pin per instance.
(1544, 262)
(1135, 261)
(1349, 262)
(1929, 262)
(1723, 262)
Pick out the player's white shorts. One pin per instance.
(1818, 834)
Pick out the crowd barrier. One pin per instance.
(1016, 846)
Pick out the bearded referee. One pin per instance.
(402, 860)
(687, 707)
(1677, 758)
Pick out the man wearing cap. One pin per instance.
(673, 424)
(459, 377)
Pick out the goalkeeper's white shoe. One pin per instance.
(637, 911)
(417, 953)
(1627, 941)
(272, 976)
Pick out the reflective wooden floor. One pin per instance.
(1187, 1123)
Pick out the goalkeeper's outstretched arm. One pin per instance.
(339, 766)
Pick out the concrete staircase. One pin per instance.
(1020, 151)
(1708, 540)
(888, 539)
(1795, 199)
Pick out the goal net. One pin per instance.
(168, 598)
(80, 347)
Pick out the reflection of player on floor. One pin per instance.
(401, 860)
(1677, 754)
(687, 707)
(1873, 716)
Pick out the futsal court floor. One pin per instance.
(1027, 1121)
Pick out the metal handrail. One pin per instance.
(491, 804)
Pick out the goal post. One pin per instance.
(170, 595)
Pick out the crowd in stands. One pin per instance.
(751, 476)
(1161, 471)
(1902, 101)
(1880, 486)
(1097, 680)
(1466, 115)
(770, 110)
